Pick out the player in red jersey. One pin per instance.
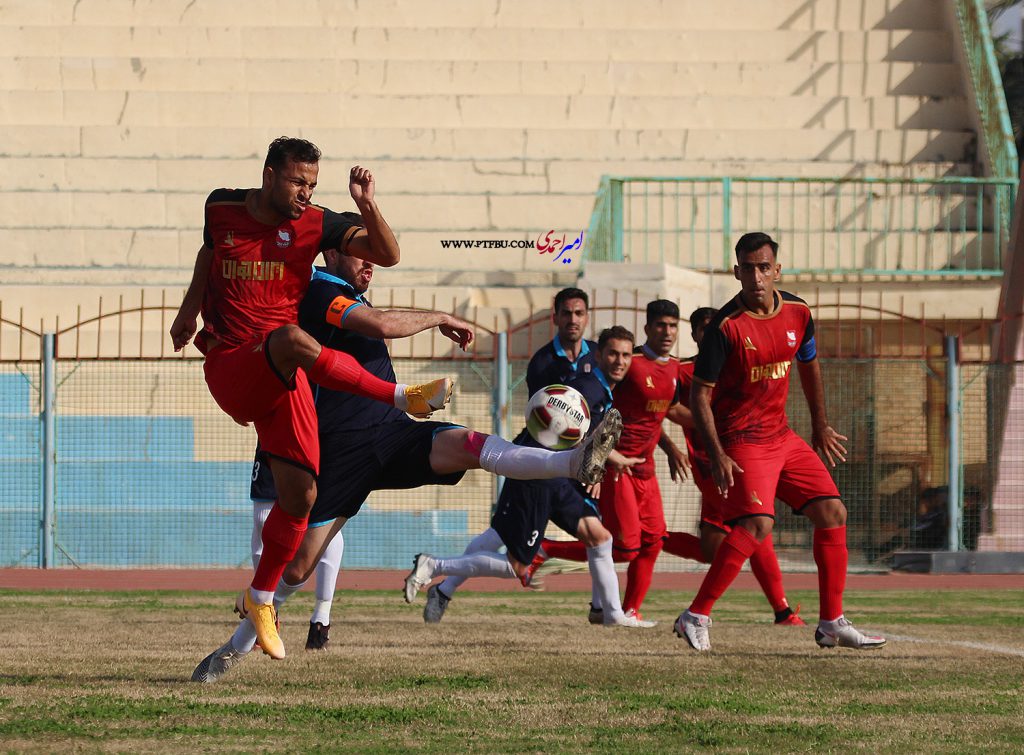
(738, 401)
(631, 506)
(250, 275)
(763, 562)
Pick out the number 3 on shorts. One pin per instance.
(533, 539)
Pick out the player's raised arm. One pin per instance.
(377, 243)
(186, 321)
(825, 440)
(401, 323)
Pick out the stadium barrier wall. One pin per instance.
(145, 470)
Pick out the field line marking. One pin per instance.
(1003, 649)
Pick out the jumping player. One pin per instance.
(526, 506)
(631, 505)
(763, 563)
(250, 274)
(738, 401)
(373, 447)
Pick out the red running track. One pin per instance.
(235, 579)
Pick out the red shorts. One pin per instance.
(632, 511)
(245, 386)
(786, 468)
(710, 498)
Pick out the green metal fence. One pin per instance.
(996, 133)
(859, 226)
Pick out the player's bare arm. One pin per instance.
(723, 468)
(619, 463)
(678, 463)
(186, 321)
(401, 323)
(682, 416)
(824, 439)
(377, 243)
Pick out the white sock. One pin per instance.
(400, 400)
(488, 540)
(327, 579)
(604, 581)
(500, 457)
(479, 564)
(260, 512)
(261, 596)
(285, 591)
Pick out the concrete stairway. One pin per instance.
(481, 120)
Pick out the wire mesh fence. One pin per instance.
(149, 471)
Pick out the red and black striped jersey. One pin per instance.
(259, 272)
(747, 358)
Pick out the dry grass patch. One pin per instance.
(511, 671)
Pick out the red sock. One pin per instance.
(282, 534)
(684, 545)
(340, 372)
(639, 575)
(737, 547)
(831, 556)
(765, 566)
(570, 550)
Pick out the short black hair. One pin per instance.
(700, 316)
(614, 332)
(751, 242)
(287, 148)
(661, 308)
(571, 293)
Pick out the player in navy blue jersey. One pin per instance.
(370, 447)
(526, 506)
(568, 354)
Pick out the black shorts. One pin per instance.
(526, 506)
(392, 456)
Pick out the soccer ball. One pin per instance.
(557, 417)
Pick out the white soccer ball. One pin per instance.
(557, 417)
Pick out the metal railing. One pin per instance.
(986, 83)
(902, 227)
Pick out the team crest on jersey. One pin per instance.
(284, 239)
(791, 338)
(586, 368)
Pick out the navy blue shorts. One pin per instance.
(392, 456)
(526, 506)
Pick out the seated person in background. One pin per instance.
(930, 530)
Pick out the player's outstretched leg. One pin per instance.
(440, 595)
(694, 629)
(290, 347)
(592, 454)
(480, 564)
(217, 663)
(765, 566)
(498, 456)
